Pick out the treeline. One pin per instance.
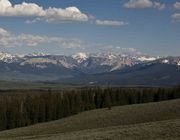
(26, 107)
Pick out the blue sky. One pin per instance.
(148, 26)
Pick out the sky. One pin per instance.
(70, 26)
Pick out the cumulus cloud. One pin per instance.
(50, 15)
(177, 5)
(176, 17)
(111, 23)
(159, 6)
(8, 39)
(144, 4)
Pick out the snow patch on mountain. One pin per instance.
(41, 66)
(165, 61)
(39, 61)
(66, 65)
(178, 63)
(44, 62)
(144, 58)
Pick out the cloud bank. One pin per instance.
(8, 39)
(111, 23)
(139, 4)
(177, 5)
(176, 17)
(50, 15)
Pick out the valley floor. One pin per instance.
(149, 121)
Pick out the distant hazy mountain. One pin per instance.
(100, 68)
(150, 74)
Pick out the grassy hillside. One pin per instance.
(161, 130)
(143, 121)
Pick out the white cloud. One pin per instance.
(144, 4)
(8, 39)
(159, 6)
(3, 32)
(177, 5)
(49, 15)
(111, 23)
(138, 4)
(32, 21)
(69, 14)
(176, 17)
(128, 51)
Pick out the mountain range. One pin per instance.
(91, 69)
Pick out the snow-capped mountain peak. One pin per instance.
(85, 62)
(8, 58)
(80, 57)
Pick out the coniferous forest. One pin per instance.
(20, 108)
